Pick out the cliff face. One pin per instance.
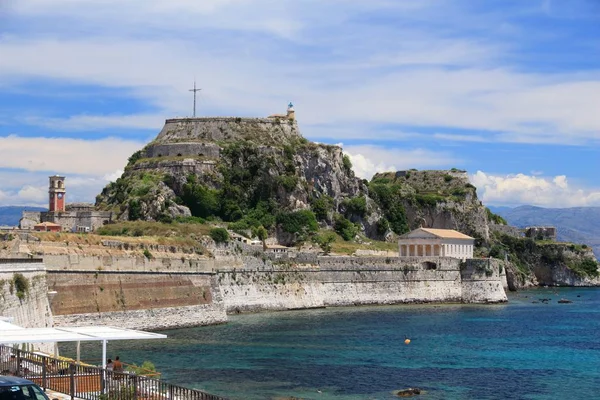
(228, 168)
(234, 167)
(532, 263)
(435, 199)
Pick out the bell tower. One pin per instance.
(57, 193)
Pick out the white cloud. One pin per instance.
(64, 155)
(368, 160)
(31, 188)
(33, 194)
(369, 77)
(534, 190)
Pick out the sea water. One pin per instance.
(525, 349)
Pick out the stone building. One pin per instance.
(541, 232)
(428, 242)
(74, 217)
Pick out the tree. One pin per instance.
(324, 241)
(344, 227)
(219, 235)
(262, 235)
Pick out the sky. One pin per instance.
(508, 90)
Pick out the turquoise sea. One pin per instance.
(519, 350)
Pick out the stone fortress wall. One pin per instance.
(31, 309)
(195, 149)
(217, 129)
(171, 292)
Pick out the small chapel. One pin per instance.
(429, 242)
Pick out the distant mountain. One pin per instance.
(11, 215)
(578, 224)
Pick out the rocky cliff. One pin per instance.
(261, 171)
(532, 263)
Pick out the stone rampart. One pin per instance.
(130, 298)
(29, 308)
(342, 281)
(132, 290)
(266, 131)
(177, 167)
(127, 262)
(192, 149)
(507, 230)
(483, 281)
(70, 220)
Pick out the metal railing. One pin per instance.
(89, 382)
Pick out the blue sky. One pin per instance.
(508, 90)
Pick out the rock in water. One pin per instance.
(408, 392)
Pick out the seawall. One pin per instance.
(174, 293)
(24, 292)
(346, 281)
(135, 299)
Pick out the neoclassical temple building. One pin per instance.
(428, 242)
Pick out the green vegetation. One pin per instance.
(262, 234)
(147, 254)
(389, 197)
(219, 235)
(299, 222)
(495, 218)
(322, 206)
(585, 267)
(146, 369)
(202, 201)
(325, 240)
(355, 206)
(20, 284)
(344, 227)
(347, 163)
(448, 178)
(147, 228)
(134, 157)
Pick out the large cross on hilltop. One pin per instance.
(195, 90)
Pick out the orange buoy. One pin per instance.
(406, 341)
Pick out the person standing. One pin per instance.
(109, 365)
(117, 365)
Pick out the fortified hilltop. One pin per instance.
(248, 173)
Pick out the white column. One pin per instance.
(104, 354)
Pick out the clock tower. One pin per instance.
(57, 193)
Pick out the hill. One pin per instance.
(575, 225)
(10, 215)
(260, 177)
(252, 172)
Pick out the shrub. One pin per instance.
(324, 241)
(495, 218)
(21, 284)
(288, 182)
(219, 235)
(202, 201)
(147, 254)
(382, 226)
(322, 206)
(356, 206)
(346, 229)
(302, 221)
(389, 198)
(135, 210)
(448, 178)
(134, 157)
(347, 162)
(147, 369)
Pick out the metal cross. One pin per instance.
(195, 90)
